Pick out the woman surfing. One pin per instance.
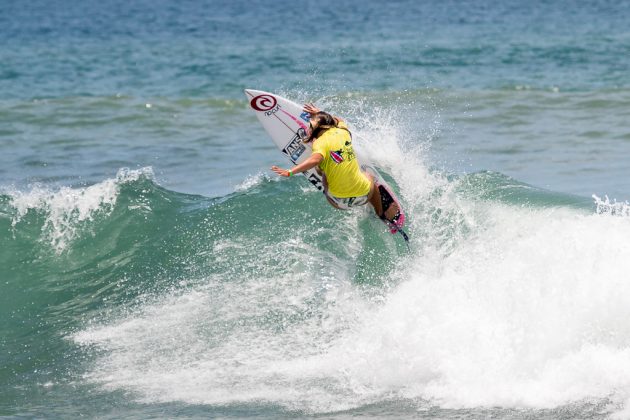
(345, 184)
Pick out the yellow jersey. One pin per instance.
(340, 165)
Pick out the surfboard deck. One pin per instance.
(287, 123)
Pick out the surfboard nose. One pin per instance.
(251, 93)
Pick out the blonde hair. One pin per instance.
(325, 121)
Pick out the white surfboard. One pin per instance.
(287, 124)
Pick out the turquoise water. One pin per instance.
(151, 265)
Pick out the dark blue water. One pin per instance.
(208, 49)
(142, 274)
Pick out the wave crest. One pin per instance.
(67, 210)
(613, 208)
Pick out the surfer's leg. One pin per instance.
(375, 198)
(384, 205)
(390, 207)
(325, 183)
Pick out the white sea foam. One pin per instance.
(251, 182)
(67, 209)
(228, 341)
(522, 307)
(614, 207)
(530, 312)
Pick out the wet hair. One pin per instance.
(324, 122)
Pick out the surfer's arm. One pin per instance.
(314, 160)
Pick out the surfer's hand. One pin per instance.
(280, 171)
(311, 108)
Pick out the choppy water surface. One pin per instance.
(152, 266)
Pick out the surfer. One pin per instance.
(345, 184)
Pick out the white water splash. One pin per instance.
(251, 182)
(529, 312)
(67, 209)
(615, 208)
(526, 308)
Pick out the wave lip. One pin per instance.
(614, 207)
(68, 209)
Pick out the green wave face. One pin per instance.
(123, 284)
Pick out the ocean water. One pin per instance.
(152, 266)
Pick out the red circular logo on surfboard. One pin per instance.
(263, 102)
